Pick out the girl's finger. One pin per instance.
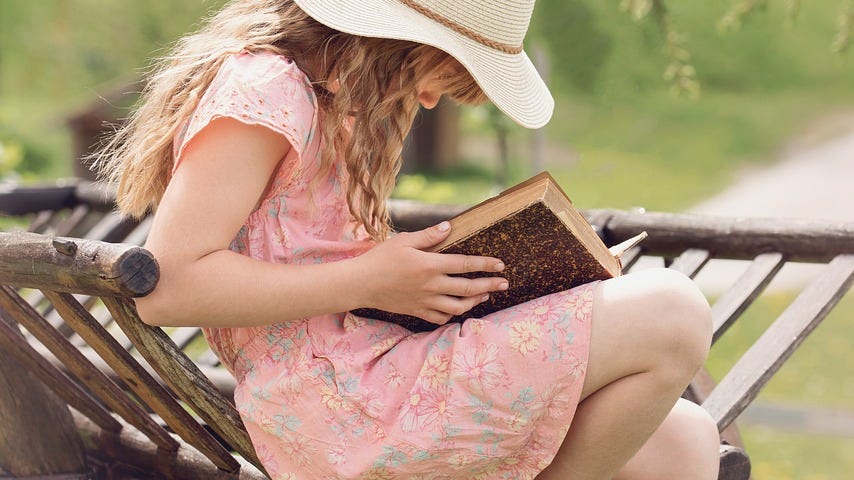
(471, 287)
(453, 263)
(455, 306)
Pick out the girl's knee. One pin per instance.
(692, 427)
(681, 315)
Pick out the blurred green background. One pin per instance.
(654, 109)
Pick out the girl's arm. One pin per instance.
(221, 178)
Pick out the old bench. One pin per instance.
(149, 401)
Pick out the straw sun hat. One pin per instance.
(485, 36)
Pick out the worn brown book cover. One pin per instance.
(546, 244)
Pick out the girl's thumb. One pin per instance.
(429, 236)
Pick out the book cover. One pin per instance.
(545, 243)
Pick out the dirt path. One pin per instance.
(814, 180)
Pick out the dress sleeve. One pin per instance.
(257, 89)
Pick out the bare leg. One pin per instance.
(651, 332)
(684, 446)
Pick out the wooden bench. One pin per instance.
(149, 400)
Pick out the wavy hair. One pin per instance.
(377, 98)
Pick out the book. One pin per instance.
(546, 244)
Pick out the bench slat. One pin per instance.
(744, 291)
(139, 380)
(183, 377)
(753, 370)
(690, 261)
(80, 367)
(14, 343)
(68, 224)
(130, 448)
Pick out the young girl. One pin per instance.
(269, 143)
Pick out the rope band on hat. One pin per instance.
(504, 47)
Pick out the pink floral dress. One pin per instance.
(344, 397)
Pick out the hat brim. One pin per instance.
(509, 80)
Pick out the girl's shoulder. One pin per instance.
(260, 88)
(265, 73)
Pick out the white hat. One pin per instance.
(485, 36)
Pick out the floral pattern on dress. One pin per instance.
(345, 397)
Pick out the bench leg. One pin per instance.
(735, 464)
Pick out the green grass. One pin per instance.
(818, 373)
(783, 455)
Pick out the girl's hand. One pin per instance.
(401, 277)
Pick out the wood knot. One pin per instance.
(65, 247)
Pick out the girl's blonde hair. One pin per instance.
(377, 97)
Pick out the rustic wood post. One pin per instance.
(37, 433)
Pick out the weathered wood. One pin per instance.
(32, 261)
(41, 220)
(138, 235)
(112, 227)
(27, 410)
(68, 224)
(744, 291)
(690, 261)
(95, 380)
(25, 200)
(737, 238)
(183, 377)
(132, 448)
(140, 381)
(753, 370)
(109, 228)
(16, 347)
(734, 463)
(220, 377)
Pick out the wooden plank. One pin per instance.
(13, 343)
(737, 238)
(139, 380)
(744, 291)
(111, 228)
(690, 261)
(183, 377)
(89, 267)
(753, 370)
(138, 235)
(734, 463)
(98, 383)
(24, 200)
(68, 224)
(131, 448)
(220, 377)
(28, 409)
(42, 220)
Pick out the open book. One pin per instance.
(546, 244)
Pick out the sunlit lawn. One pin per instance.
(785, 455)
(818, 374)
